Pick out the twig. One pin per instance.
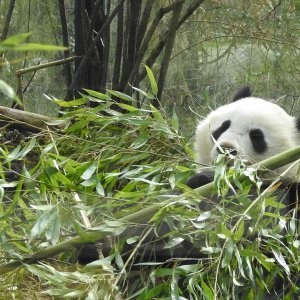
(20, 72)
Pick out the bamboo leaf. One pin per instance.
(72, 103)
(127, 107)
(240, 231)
(97, 94)
(208, 293)
(281, 260)
(121, 96)
(90, 171)
(38, 47)
(15, 39)
(7, 90)
(151, 78)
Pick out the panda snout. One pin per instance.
(232, 149)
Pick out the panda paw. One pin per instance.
(200, 179)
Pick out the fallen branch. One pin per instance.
(29, 119)
(141, 217)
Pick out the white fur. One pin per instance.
(279, 130)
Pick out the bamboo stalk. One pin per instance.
(141, 217)
(31, 119)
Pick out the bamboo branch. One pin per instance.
(141, 217)
(20, 72)
(162, 41)
(138, 217)
(31, 119)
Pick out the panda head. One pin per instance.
(254, 128)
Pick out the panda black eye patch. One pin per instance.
(258, 140)
(217, 133)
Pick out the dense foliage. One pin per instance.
(112, 162)
(106, 165)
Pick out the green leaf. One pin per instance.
(53, 232)
(89, 182)
(7, 90)
(78, 126)
(38, 47)
(76, 102)
(226, 231)
(97, 94)
(14, 154)
(99, 189)
(132, 240)
(173, 242)
(121, 96)
(157, 114)
(17, 43)
(153, 83)
(145, 94)
(279, 257)
(16, 39)
(141, 140)
(240, 231)
(208, 293)
(28, 148)
(47, 148)
(90, 171)
(127, 107)
(175, 122)
(43, 223)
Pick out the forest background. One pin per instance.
(156, 67)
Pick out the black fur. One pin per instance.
(244, 92)
(200, 179)
(298, 124)
(258, 140)
(217, 133)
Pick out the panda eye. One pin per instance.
(258, 140)
(256, 133)
(217, 133)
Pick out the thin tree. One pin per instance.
(142, 34)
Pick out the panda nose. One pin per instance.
(229, 147)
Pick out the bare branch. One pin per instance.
(162, 42)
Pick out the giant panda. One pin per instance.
(251, 127)
(254, 129)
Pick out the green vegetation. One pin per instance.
(109, 166)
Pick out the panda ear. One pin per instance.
(243, 92)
